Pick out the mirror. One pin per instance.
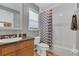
(10, 15)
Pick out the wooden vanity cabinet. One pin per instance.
(25, 52)
(23, 48)
(10, 54)
(0, 51)
(8, 49)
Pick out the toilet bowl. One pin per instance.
(41, 47)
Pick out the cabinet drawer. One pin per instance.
(26, 52)
(25, 44)
(8, 49)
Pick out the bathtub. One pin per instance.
(63, 51)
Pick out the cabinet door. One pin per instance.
(8, 49)
(28, 51)
(0, 51)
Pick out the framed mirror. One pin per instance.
(10, 15)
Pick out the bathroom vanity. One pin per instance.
(23, 47)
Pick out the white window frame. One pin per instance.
(32, 28)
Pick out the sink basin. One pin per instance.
(10, 40)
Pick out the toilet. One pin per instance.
(41, 47)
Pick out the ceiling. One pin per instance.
(17, 6)
(44, 6)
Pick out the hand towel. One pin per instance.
(74, 22)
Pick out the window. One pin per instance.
(33, 20)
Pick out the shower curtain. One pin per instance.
(45, 24)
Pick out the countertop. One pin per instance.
(23, 39)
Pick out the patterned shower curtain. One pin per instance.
(45, 24)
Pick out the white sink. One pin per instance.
(10, 40)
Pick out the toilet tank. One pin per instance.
(37, 40)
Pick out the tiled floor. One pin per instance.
(47, 52)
